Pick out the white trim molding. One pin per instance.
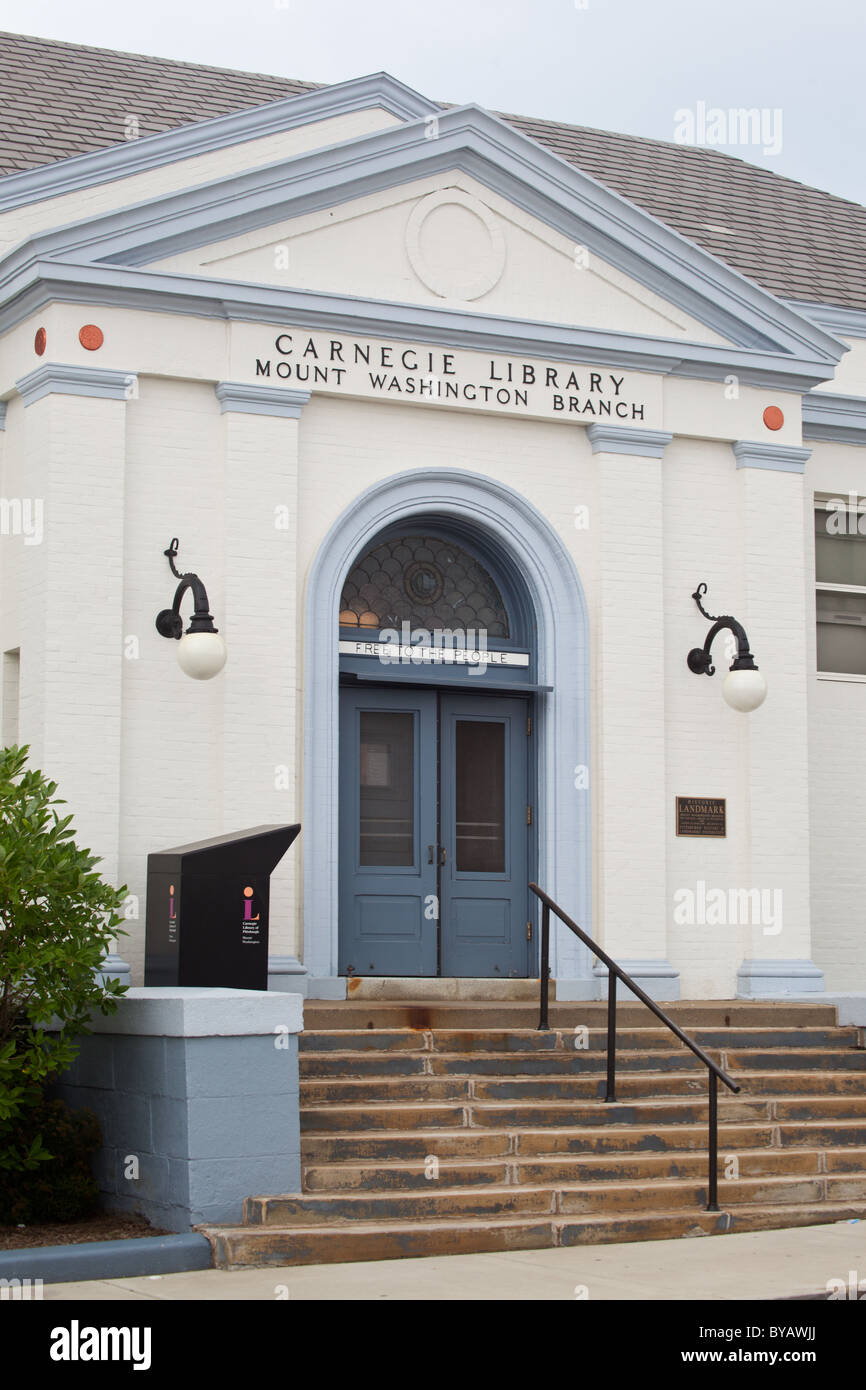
(784, 458)
(850, 323)
(248, 399)
(61, 378)
(836, 418)
(189, 141)
(617, 439)
(763, 979)
(27, 288)
(775, 336)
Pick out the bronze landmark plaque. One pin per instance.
(701, 815)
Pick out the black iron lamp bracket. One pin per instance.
(169, 622)
(700, 659)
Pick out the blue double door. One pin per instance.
(435, 827)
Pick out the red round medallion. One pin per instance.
(91, 337)
(773, 418)
(40, 341)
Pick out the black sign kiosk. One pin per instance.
(207, 909)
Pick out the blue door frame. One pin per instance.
(435, 841)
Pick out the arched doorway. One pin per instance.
(437, 765)
(482, 515)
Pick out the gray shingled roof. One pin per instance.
(62, 99)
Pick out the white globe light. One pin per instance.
(744, 690)
(201, 654)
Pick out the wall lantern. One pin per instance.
(201, 652)
(744, 687)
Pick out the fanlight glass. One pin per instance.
(426, 582)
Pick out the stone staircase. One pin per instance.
(447, 1128)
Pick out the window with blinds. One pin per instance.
(840, 581)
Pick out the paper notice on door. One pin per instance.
(375, 765)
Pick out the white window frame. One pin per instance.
(819, 500)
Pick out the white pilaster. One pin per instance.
(262, 628)
(776, 616)
(74, 437)
(630, 780)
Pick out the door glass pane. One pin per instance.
(480, 797)
(841, 632)
(387, 775)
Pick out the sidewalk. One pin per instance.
(755, 1265)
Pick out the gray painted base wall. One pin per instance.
(195, 1121)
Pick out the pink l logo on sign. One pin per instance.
(248, 906)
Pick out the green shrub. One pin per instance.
(57, 920)
(64, 1188)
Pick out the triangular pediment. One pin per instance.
(448, 241)
(452, 211)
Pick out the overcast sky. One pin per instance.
(648, 67)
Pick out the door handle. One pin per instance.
(443, 854)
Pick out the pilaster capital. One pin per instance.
(783, 458)
(66, 379)
(248, 399)
(625, 439)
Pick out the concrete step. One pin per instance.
(806, 1084)
(351, 1064)
(397, 1176)
(834, 1059)
(531, 1114)
(402, 1176)
(636, 1138)
(240, 1246)
(316, 1209)
(443, 989)
(581, 1198)
(358, 1066)
(425, 1014)
(820, 1108)
(585, 1139)
(415, 1144)
(686, 1080)
(335, 1118)
(393, 1090)
(673, 1110)
(562, 1041)
(450, 1126)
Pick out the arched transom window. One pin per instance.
(426, 581)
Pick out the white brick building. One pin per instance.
(306, 328)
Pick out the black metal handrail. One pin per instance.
(615, 972)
